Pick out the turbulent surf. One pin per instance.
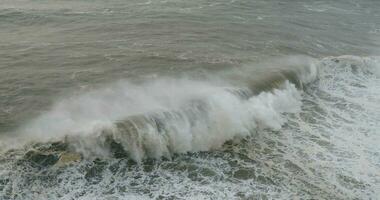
(189, 100)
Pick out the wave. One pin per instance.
(167, 116)
(199, 125)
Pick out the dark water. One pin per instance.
(189, 99)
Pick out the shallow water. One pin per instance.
(189, 100)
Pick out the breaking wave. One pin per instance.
(167, 116)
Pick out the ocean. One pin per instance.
(173, 99)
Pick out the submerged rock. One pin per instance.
(41, 159)
(54, 154)
(66, 158)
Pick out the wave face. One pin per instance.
(163, 117)
(203, 136)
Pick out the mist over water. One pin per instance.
(189, 100)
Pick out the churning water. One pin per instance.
(172, 99)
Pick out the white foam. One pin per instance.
(347, 97)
